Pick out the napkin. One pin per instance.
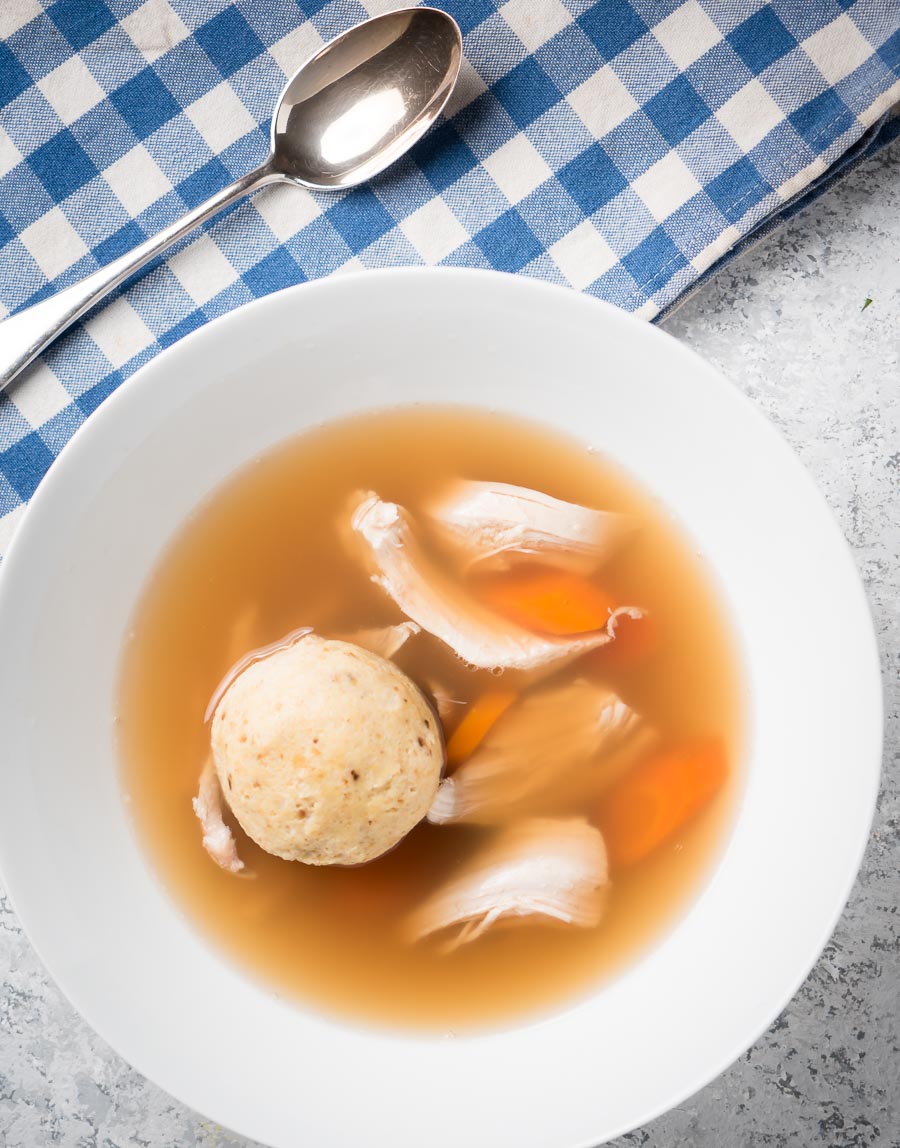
(622, 147)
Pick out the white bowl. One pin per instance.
(155, 989)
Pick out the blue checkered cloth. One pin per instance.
(622, 147)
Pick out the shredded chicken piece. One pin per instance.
(538, 870)
(427, 596)
(496, 524)
(564, 737)
(218, 840)
(383, 640)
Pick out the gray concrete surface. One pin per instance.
(786, 324)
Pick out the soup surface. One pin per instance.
(263, 556)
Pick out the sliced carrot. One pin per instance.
(652, 802)
(474, 727)
(549, 601)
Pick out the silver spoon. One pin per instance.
(347, 114)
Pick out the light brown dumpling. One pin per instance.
(326, 753)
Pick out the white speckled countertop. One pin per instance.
(786, 324)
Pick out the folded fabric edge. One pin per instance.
(879, 135)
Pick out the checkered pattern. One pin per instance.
(623, 147)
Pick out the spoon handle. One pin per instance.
(26, 334)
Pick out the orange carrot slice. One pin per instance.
(548, 601)
(651, 803)
(474, 727)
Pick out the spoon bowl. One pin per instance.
(366, 98)
(348, 113)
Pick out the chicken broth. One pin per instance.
(268, 553)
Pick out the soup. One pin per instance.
(268, 553)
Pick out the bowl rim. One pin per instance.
(30, 528)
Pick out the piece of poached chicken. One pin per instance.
(445, 609)
(495, 524)
(383, 640)
(539, 870)
(569, 739)
(218, 840)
